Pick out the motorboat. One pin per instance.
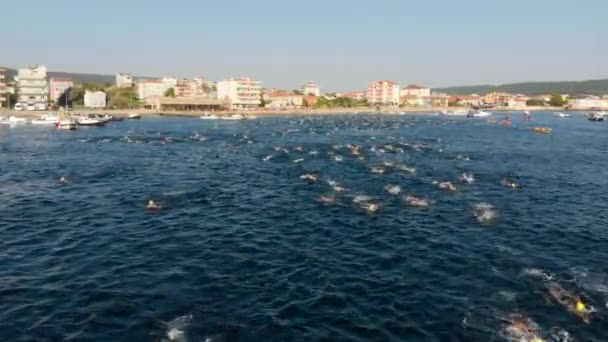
(87, 121)
(458, 112)
(67, 124)
(209, 117)
(478, 114)
(596, 116)
(16, 120)
(561, 115)
(233, 117)
(134, 116)
(49, 119)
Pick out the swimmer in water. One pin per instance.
(484, 212)
(153, 205)
(467, 178)
(521, 328)
(509, 184)
(572, 303)
(417, 202)
(64, 180)
(309, 178)
(448, 186)
(393, 189)
(328, 200)
(371, 208)
(378, 170)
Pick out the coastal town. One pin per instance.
(31, 89)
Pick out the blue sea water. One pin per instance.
(243, 250)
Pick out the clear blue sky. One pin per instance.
(342, 45)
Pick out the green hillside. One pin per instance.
(78, 78)
(591, 87)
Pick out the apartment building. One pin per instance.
(383, 93)
(32, 85)
(242, 93)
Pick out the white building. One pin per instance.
(242, 93)
(151, 88)
(311, 88)
(169, 82)
(383, 92)
(588, 103)
(414, 90)
(95, 99)
(283, 100)
(32, 86)
(124, 80)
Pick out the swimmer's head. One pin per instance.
(580, 306)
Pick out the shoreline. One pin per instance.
(265, 112)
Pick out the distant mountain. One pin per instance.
(77, 77)
(592, 87)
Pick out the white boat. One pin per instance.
(84, 121)
(458, 112)
(233, 117)
(49, 119)
(15, 120)
(134, 116)
(67, 124)
(479, 114)
(209, 117)
(561, 115)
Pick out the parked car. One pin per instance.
(30, 106)
(19, 106)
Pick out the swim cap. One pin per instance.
(580, 306)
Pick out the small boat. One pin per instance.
(543, 130)
(13, 120)
(67, 124)
(478, 114)
(49, 119)
(598, 116)
(561, 115)
(234, 117)
(209, 117)
(134, 116)
(459, 112)
(89, 122)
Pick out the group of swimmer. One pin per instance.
(483, 212)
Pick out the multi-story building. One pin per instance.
(150, 88)
(311, 88)
(58, 87)
(169, 82)
(189, 88)
(383, 92)
(3, 89)
(32, 86)
(415, 90)
(283, 100)
(498, 99)
(124, 80)
(242, 93)
(356, 95)
(472, 100)
(95, 99)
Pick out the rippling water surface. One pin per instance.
(245, 250)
